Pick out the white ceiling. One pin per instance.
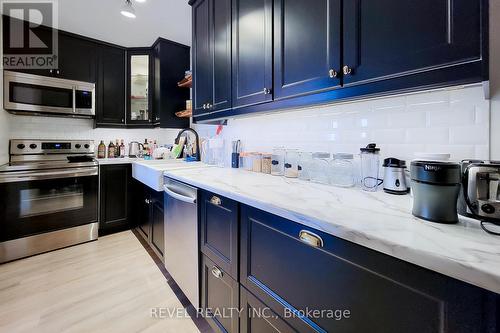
(101, 19)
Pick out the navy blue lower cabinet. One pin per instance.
(219, 231)
(219, 297)
(320, 283)
(256, 317)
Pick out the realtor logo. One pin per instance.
(29, 32)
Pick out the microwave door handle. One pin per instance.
(74, 99)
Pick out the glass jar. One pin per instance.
(342, 170)
(292, 163)
(266, 163)
(305, 165)
(278, 162)
(256, 159)
(320, 167)
(246, 161)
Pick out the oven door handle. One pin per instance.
(50, 174)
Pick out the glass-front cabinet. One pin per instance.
(140, 87)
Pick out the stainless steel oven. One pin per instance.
(48, 201)
(34, 94)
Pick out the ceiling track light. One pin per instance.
(128, 10)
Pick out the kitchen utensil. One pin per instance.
(435, 187)
(480, 194)
(135, 149)
(342, 170)
(395, 176)
(370, 163)
(235, 155)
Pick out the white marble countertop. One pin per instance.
(379, 221)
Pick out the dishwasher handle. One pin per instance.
(178, 196)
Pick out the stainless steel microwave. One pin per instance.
(35, 94)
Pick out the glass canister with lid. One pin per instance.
(342, 170)
(320, 167)
(278, 161)
(305, 165)
(267, 163)
(292, 163)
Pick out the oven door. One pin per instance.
(49, 200)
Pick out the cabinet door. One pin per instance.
(292, 267)
(219, 297)
(111, 86)
(389, 38)
(144, 213)
(256, 317)
(202, 57)
(77, 58)
(114, 197)
(140, 86)
(157, 226)
(219, 231)
(221, 39)
(307, 46)
(252, 52)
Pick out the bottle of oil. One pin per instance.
(122, 149)
(111, 150)
(101, 150)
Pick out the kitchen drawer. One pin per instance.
(219, 297)
(219, 231)
(322, 272)
(256, 317)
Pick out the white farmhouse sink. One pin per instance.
(150, 172)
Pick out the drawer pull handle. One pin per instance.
(217, 272)
(216, 201)
(310, 238)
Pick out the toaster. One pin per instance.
(480, 197)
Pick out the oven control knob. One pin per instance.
(33, 146)
(20, 146)
(87, 146)
(78, 146)
(488, 209)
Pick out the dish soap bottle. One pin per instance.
(111, 150)
(101, 150)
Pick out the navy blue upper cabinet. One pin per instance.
(389, 38)
(307, 46)
(202, 61)
(212, 56)
(252, 52)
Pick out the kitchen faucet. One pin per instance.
(197, 139)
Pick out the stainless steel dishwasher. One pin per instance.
(181, 237)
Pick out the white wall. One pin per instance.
(454, 120)
(495, 77)
(28, 127)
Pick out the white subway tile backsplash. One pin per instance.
(452, 120)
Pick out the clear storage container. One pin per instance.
(320, 168)
(291, 163)
(266, 163)
(305, 165)
(256, 159)
(278, 162)
(342, 171)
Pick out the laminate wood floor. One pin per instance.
(109, 285)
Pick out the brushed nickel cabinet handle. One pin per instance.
(204, 106)
(347, 70)
(216, 201)
(217, 272)
(333, 73)
(310, 238)
(267, 91)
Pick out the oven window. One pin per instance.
(42, 201)
(40, 95)
(33, 207)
